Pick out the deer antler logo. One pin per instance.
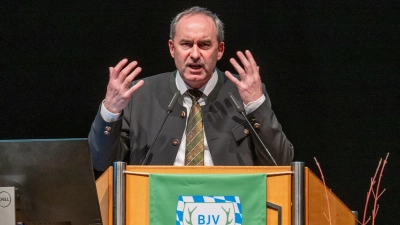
(190, 216)
(227, 216)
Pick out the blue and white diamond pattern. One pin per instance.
(209, 199)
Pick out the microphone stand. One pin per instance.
(241, 111)
(169, 110)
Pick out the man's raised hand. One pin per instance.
(249, 85)
(119, 90)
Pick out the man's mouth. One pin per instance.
(195, 66)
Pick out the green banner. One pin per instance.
(208, 199)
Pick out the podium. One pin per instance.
(295, 196)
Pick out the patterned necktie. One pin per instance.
(194, 132)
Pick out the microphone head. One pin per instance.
(239, 107)
(173, 101)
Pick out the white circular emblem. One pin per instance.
(5, 199)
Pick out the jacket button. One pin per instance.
(175, 142)
(257, 125)
(108, 128)
(246, 131)
(183, 114)
(106, 132)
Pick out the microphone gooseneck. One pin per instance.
(240, 109)
(170, 108)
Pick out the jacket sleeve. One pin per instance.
(106, 142)
(270, 131)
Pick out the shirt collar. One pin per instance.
(206, 89)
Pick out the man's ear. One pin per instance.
(171, 48)
(221, 48)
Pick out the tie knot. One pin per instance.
(194, 94)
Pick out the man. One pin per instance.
(131, 114)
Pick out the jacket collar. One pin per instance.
(211, 97)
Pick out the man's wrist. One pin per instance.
(252, 106)
(107, 115)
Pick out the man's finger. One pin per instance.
(118, 67)
(125, 71)
(128, 80)
(248, 67)
(237, 66)
(110, 71)
(252, 68)
(135, 88)
(250, 58)
(232, 78)
(243, 58)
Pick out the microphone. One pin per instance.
(173, 102)
(240, 109)
(169, 110)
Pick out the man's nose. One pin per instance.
(195, 54)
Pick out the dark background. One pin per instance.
(331, 69)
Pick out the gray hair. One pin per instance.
(198, 10)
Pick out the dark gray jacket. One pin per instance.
(130, 137)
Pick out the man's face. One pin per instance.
(195, 49)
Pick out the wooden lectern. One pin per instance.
(295, 195)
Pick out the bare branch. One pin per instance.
(326, 192)
(370, 191)
(381, 193)
(377, 195)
